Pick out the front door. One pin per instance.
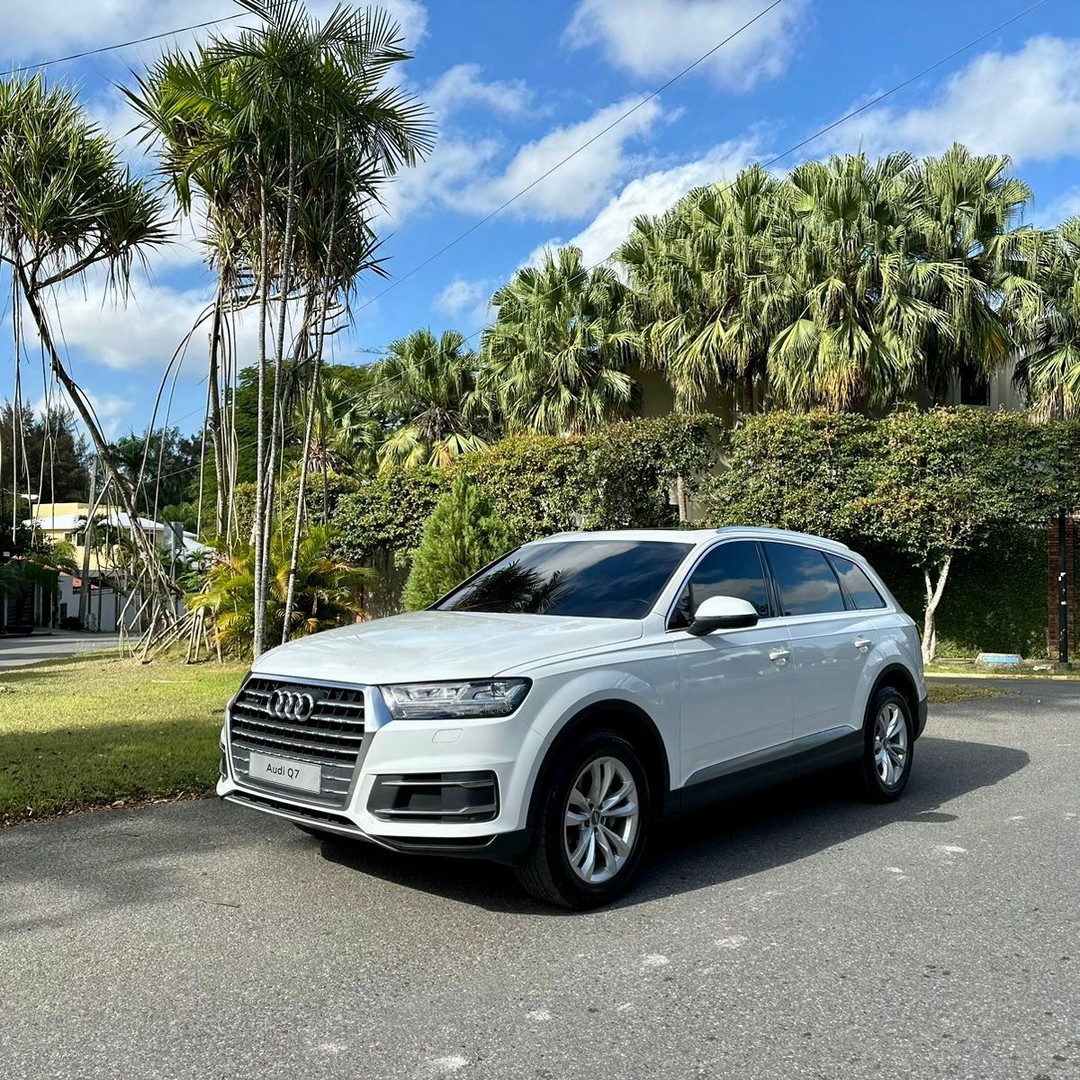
(736, 686)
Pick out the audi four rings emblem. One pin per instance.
(291, 705)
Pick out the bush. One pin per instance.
(537, 485)
(461, 536)
(387, 513)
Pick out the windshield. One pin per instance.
(596, 579)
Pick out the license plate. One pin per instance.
(301, 775)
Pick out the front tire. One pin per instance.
(889, 744)
(592, 824)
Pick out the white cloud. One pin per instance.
(55, 26)
(143, 333)
(466, 299)
(438, 181)
(579, 185)
(461, 86)
(654, 193)
(1065, 206)
(657, 38)
(112, 411)
(1025, 104)
(462, 175)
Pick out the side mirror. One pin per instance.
(722, 613)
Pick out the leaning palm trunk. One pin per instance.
(161, 589)
(301, 504)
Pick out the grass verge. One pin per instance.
(92, 731)
(945, 693)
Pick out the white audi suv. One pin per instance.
(551, 709)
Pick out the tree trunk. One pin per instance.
(213, 390)
(259, 538)
(680, 497)
(933, 599)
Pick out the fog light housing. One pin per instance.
(449, 798)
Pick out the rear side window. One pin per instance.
(729, 570)
(859, 587)
(806, 581)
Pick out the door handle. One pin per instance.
(779, 656)
(863, 643)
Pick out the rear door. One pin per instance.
(736, 688)
(831, 640)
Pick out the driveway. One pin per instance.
(18, 652)
(776, 938)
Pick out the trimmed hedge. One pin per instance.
(538, 485)
(996, 599)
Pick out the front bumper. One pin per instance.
(920, 720)
(505, 748)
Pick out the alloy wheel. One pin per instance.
(890, 744)
(600, 825)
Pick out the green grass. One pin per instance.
(94, 730)
(945, 693)
(91, 731)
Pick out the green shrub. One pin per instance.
(619, 477)
(387, 513)
(461, 536)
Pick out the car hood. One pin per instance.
(425, 645)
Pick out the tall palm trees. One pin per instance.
(1047, 313)
(851, 283)
(555, 358)
(965, 211)
(426, 387)
(287, 132)
(704, 295)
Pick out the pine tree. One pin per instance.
(461, 536)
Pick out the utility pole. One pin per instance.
(1063, 588)
(91, 510)
(1063, 563)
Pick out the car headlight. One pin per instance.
(455, 700)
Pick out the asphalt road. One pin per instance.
(805, 936)
(19, 652)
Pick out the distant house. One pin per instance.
(106, 579)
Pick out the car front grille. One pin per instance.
(331, 737)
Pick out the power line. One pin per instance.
(574, 153)
(771, 161)
(848, 116)
(113, 48)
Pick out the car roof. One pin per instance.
(700, 537)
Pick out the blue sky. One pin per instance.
(517, 85)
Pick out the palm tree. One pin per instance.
(426, 387)
(344, 432)
(555, 359)
(704, 293)
(266, 119)
(68, 205)
(1046, 313)
(326, 591)
(964, 211)
(856, 337)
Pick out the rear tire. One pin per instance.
(888, 747)
(592, 824)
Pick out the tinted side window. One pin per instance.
(859, 587)
(730, 570)
(807, 583)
